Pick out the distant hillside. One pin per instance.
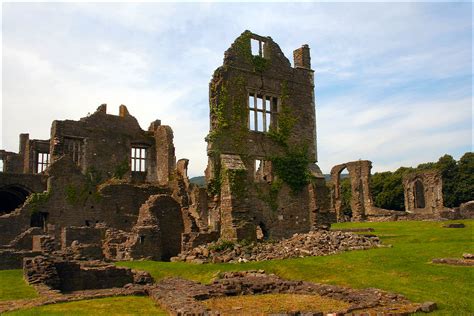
(200, 181)
(343, 176)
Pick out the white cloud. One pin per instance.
(62, 60)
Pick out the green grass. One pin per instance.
(406, 268)
(13, 287)
(127, 305)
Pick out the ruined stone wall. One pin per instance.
(32, 149)
(246, 84)
(25, 161)
(73, 200)
(423, 192)
(361, 198)
(67, 276)
(155, 236)
(271, 75)
(83, 235)
(29, 182)
(101, 142)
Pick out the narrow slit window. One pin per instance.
(138, 161)
(260, 112)
(1, 165)
(43, 162)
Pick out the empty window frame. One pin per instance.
(257, 47)
(42, 162)
(258, 169)
(74, 147)
(138, 162)
(262, 171)
(262, 110)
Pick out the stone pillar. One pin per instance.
(236, 223)
(165, 154)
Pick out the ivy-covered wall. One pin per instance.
(281, 202)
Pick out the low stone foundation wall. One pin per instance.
(13, 259)
(67, 276)
(183, 297)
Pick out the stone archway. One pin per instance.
(168, 213)
(12, 197)
(423, 192)
(361, 200)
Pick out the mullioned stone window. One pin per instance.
(138, 161)
(262, 110)
(42, 162)
(74, 147)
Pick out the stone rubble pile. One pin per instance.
(314, 243)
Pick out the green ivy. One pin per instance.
(292, 168)
(242, 44)
(122, 169)
(271, 198)
(286, 119)
(214, 186)
(222, 245)
(260, 64)
(80, 194)
(37, 200)
(237, 181)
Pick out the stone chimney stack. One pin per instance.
(301, 57)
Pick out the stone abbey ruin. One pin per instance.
(101, 188)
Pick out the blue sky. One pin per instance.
(393, 80)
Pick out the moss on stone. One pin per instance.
(121, 169)
(37, 200)
(237, 181)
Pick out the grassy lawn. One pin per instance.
(13, 287)
(405, 268)
(127, 305)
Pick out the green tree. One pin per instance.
(346, 194)
(464, 190)
(387, 189)
(449, 173)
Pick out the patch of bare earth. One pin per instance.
(273, 303)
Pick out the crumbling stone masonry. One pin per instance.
(66, 275)
(184, 297)
(423, 193)
(361, 200)
(103, 188)
(262, 173)
(361, 203)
